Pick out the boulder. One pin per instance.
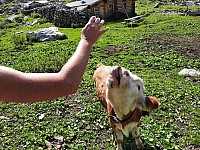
(46, 34)
(189, 72)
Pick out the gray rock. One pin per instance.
(32, 23)
(46, 34)
(10, 19)
(59, 15)
(14, 8)
(5, 1)
(1, 10)
(157, 5)
(189, 72)
(183, 3)
(134, 19)
(25, 17)
(197, 2)
(34, 4)
(190, 3)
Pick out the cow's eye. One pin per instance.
(138, 86)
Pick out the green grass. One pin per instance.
(155, 49)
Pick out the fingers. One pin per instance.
(92, 19)
(92, 31)
(100, 24)
(104, 30)
(97, 21)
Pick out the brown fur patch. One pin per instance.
(133, 116)
(151, 102)
(111, 112)
(99, 77)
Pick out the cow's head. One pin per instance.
(124, 86)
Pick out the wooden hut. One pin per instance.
(109, 9)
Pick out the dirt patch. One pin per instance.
(192, 147)
(57, 142)
(112, 50)
(192, 79)
(187, 47)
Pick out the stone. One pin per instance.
(5, 1)
(183, 3)
(134, 19)
(14, 8)
(189, 72)
(25, 17)
(60, 15)
(10, 19)
(1, 10)
(197, 2)
(32, 23)
(34, 4)
(46, 34)
(157, 5)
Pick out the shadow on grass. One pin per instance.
(129, 144)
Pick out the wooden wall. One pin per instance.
(110, 8)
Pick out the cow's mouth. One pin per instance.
(117, 72)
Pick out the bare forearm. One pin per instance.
(28, 87)
(75, 67)
(32, 87)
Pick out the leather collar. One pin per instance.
(133, 116)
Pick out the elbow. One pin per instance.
(73, 90)
(70, 88)
(69, 84)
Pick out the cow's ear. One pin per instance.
(151, 102)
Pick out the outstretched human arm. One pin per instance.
(16, 86)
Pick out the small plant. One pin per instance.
(19, 19)
(35, 15)
(31, 37)
(19, 40)
(2, 25)
(42, 21)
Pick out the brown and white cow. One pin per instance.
(123, 95)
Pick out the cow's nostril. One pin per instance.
(118, 68)
(126, 73)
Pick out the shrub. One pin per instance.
(19, 40)
(42, 21)
(19, 19)
(35, 15)
(31, 37)
(2, 25)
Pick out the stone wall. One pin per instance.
(60, 15)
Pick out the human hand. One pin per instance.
(91, 32)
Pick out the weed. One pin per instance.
(19, 40)
(35, 15)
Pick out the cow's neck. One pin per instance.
(132, 115)
(123, 110)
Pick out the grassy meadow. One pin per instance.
(155, 49)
